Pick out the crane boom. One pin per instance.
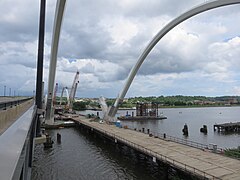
(73, 89)
(73, 85)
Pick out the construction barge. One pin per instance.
(227, 127)
(132, 118)
(144, 111)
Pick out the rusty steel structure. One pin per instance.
(147, 109)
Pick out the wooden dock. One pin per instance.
(188, 159)
(227, 127)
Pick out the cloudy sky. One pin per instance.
(103, 40)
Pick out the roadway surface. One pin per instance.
(199, 162)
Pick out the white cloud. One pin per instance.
(104, 39)
(121, 29)
(236, 90)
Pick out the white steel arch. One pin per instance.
(53, 59)
(67, 95)
(188, 14)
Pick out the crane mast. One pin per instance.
(73, 90)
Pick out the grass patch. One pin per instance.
(234, 152)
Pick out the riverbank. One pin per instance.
(165, 107)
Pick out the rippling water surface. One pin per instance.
(85, 156)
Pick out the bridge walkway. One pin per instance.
(192, 160)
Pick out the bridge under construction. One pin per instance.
(17, 142)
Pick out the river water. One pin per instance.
(87, 157)
(195, 118)
(83, 156)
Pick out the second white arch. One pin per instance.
(190, 13)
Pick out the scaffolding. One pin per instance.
(147, 109)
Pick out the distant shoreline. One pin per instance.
(198, 106)
(170, 107)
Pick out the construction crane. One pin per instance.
(73, 90)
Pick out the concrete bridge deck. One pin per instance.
(9, 116)
(192, 160)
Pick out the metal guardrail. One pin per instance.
(182, 141)
(163, 158)
(9, 104)
(16, 150)
(168, 160)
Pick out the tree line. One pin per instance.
(164, 101)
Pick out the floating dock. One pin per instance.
(227, 127)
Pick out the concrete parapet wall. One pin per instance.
(9, 116)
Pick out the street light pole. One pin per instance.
(4, 91)
(38, 101)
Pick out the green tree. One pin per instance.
(79, 106)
